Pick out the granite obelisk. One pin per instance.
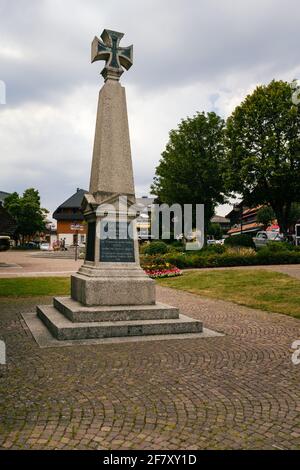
(111, 295)
(111, 274)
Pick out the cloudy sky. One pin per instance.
(188, 56)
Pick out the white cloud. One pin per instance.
(11, 53)
(188, 57)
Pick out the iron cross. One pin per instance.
(109, 50)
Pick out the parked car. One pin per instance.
(45, 246)
(29, 246)
(262, 238)
(4, 243)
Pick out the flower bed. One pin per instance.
(155, 267)
(160, 273)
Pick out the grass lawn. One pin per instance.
(265, 290)
(34, 286)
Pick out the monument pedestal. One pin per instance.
(70, 320)
(112, 287)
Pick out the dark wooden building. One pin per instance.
(68, 215)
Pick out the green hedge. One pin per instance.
(154, 248)
(263, 257)
(275, 247)
(240, 240)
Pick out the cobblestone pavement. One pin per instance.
(240, 390)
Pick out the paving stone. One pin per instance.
(239, 390)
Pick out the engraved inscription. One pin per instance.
(116, 246)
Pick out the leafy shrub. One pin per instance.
(265, 256)
(181, 260)
(240, 240)
(217, 248)
(175, 249)
(177, 244)
(154, 248)
(240, 251)
(276, 247)
(232, 257)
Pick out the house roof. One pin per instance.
(73, 202)
(219, 219)
(246, 210)
(236, 208)
(246, 228)
(252, 210)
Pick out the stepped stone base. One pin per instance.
(113, 290)
(77, 312)
(70, 320)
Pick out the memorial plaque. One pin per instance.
(90, 246)
(116, 245)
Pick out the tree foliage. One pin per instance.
(27, 212)
(190, 170)
(263, 157)
(295, 213)
(265, 215)
(215, 230)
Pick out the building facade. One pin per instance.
(7, 223)
(71, 228)
(3, 196)
(244, 220)
(143, 222)
(222, 221)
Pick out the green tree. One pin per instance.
(190, 170)
(263, 158)
(265, 215)
(295, 214)
(27, 212)
(215, 230)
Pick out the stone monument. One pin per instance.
(111, 295)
